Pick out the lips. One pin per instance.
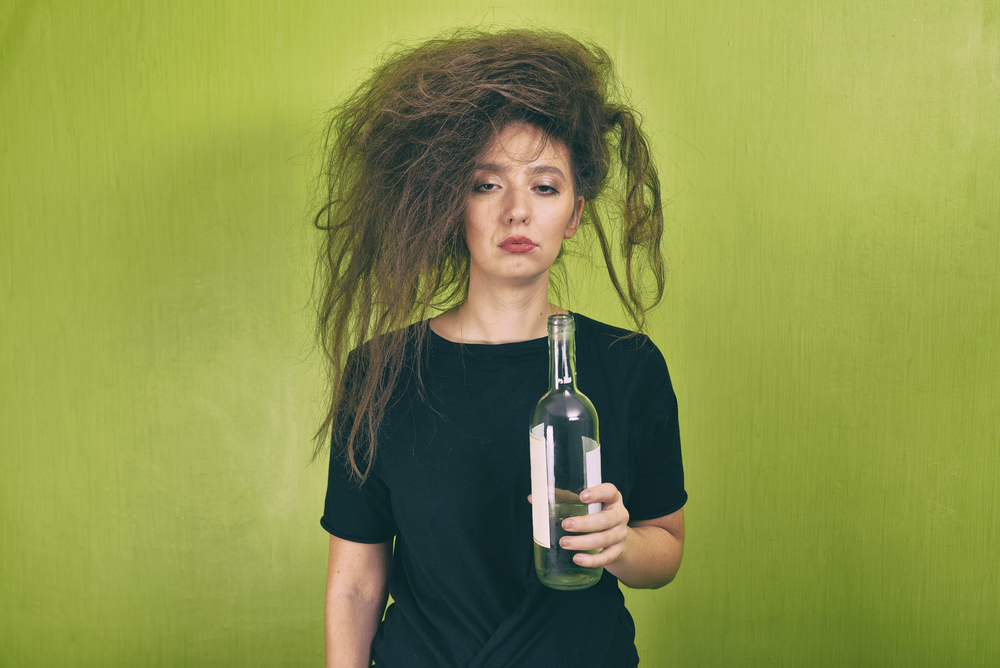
(517, 245)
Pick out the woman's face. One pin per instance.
(521, 207)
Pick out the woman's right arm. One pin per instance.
(357, 587)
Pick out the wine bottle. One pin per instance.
(565, 460)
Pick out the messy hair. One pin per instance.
(400, 154)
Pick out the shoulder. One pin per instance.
(631, 358)
(385, 362)
(404, 342)
(613, 341)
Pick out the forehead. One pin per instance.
(524, 143)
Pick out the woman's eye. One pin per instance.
(486, 187)
(547, 190)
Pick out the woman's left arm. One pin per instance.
(644, 554)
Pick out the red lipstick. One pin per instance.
(517, 245)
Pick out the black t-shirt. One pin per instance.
(450, 482)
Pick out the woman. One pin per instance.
(456, 171)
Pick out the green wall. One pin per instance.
(832, 322)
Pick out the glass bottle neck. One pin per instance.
(562, 353)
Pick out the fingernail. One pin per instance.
(585, 496)
(568, 525)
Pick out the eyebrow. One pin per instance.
(538, 169)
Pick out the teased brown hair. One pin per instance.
(400, 155)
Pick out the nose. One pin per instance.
(517, 209)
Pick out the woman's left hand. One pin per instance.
(606, 530)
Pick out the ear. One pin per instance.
(574, 222)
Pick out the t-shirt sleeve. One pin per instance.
(358, 512)
(355, 511)
(654, 434)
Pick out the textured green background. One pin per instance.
(832, 322)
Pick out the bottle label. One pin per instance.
(539, 488)
(592, 461)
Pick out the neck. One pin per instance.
(499, 313)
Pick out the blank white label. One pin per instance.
(539, 488)
(593, 464)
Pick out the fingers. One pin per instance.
(609, 545)
(614, 512)
(602, 558)
(608, 518)
(605, 531)
(598, 540)
(603, 493)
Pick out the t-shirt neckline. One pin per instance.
(512, 347)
